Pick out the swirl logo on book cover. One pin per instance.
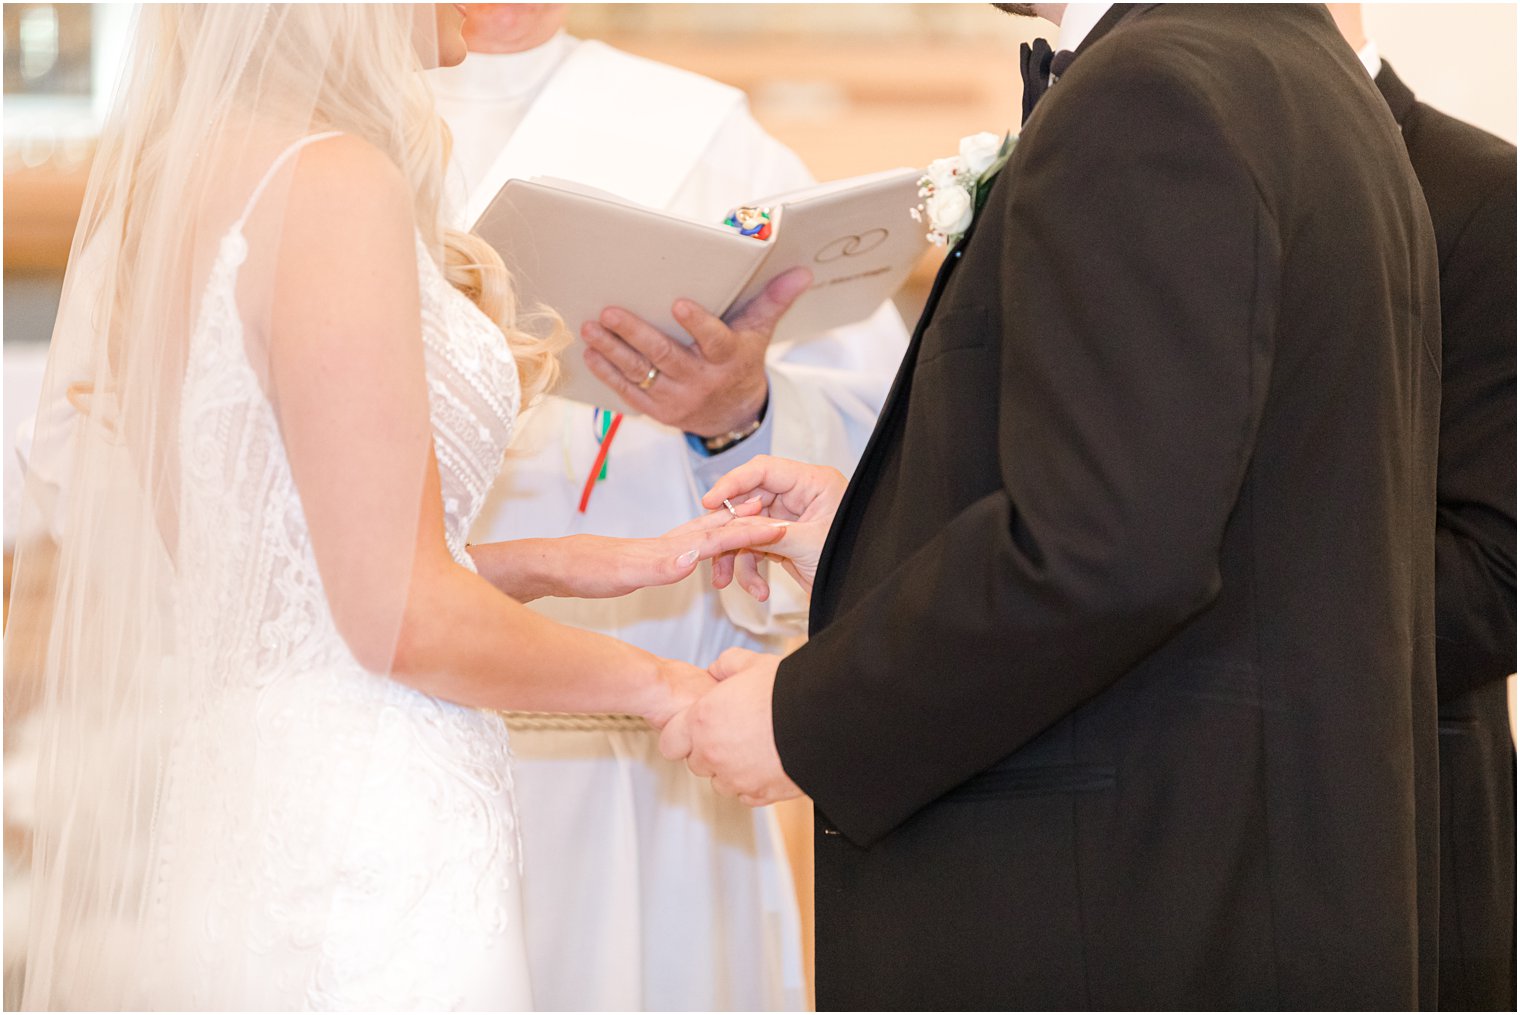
(851, 246)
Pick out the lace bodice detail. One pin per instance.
(474, 395)
(327, 837)
(244, 530)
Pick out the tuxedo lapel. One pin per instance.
(864, 471)
(1396, 93)
(821, 607)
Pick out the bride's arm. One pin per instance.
(463, 640)
(346, 374)
(604, 567)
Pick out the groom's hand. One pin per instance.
(727, 733)
(715, 385)
(806, 495)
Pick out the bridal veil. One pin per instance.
(112, 600)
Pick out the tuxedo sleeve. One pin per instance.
(1137, 279)
(1475, 484)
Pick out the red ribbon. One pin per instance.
(601, 459)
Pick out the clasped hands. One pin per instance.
(727, 733)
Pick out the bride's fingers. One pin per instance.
(700, 546)
(748, 508)
(740, 535)
(719, 518)
(701, 523)
(692, 548)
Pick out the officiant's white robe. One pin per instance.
(643, 888)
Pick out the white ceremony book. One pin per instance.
(579, 250)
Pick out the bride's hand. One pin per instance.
(804, 495)
(604, 567)
(680, 685)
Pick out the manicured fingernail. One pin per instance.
(779, 525)
(687, 559)
(682, 308)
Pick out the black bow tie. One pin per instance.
(1037, 63)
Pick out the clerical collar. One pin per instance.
(503, 75)
(1370, 57)
(1077, 23)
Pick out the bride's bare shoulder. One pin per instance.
(344, 183)
(346, 256)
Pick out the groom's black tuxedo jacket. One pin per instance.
(1468, 177)
(1120, 684)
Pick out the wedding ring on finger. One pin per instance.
(654, 372)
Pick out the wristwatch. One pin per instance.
(722, 442)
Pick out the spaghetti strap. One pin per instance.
(274, 167)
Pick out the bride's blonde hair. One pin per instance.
(369, 85)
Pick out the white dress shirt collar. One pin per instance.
(1370, 57)
(1077, 23)
(503, 76)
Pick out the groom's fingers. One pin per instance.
(747, 573)
(675, 738)
(732, 662)
(764, 475)
(723, 570)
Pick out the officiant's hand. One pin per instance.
(727, 733)
(804, 495)
(715, 385)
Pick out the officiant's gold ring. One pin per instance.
(649, 378)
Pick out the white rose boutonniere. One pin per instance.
(949, 210)
(955, 188)
(980, 151)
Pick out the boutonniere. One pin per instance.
(955, 188)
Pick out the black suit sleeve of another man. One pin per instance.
(1475, 533)
(1128, 271)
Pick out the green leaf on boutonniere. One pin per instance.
(985, 181)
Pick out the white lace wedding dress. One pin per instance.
(326, 838)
